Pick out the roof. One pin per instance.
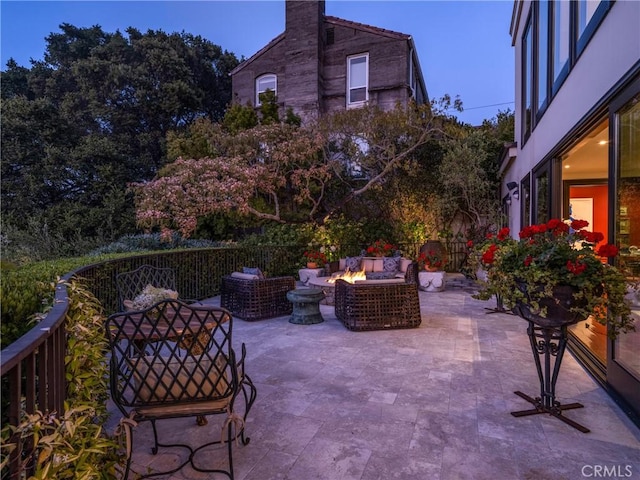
(269, 45)
(367, 28)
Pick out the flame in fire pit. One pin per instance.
(348, 276)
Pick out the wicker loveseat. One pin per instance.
(377, 306)
(256, 298)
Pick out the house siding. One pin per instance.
(596, 71)
(312, 75)
(388, 68)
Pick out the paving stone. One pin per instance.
(431, 403)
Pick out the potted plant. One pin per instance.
(431, 260)
(381, 248)
(553, 271)
(313, 258)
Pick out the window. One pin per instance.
(525, 203)
(357, 80)
(590, 14)
(542, 189)
(560, 43)
(412, 74)
(543, 44)
(527, 81)
(330, 36)
(555, 34)
(264, 83)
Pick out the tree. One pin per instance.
(94, 115)
(285, 173)
(469, 173)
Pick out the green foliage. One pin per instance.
(239, 117)
(151, 241)
(269, 108)
(93, 116)
(74, 445)
(291, 118)
(25, 291)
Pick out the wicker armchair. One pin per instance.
(176, 360)
(257, 299)
(369, 306)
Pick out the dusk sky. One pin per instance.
(464, 47)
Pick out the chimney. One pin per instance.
(303, 36)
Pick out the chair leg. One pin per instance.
(249, 398)
(230, 449)
(154, 449)
(201, 420)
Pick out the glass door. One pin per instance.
(623, 366)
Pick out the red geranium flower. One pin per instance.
(592, 237)
(608, 250)
(579, 224)
(503, 233)
(576, 267)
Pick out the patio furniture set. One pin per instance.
(173, 358)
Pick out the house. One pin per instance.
(321, 64)
(577, 147)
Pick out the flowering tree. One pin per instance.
(255, 172)
(285, 173)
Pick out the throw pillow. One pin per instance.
(391, 264)
(404, 264)
(378, 265)
(366, 264)
(253, 271)
(244, 276)
(353, 263)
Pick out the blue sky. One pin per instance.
(464, 46)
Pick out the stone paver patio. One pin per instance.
(431, 403)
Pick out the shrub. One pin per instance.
(73, 445)
(152, 241)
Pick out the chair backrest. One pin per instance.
(171, 354)
(411, 275)
(130, 284)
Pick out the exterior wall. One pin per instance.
(312, 75)
(388, 68)
(271, 61)
(599, 67)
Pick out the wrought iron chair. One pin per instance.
(131, 284)
(368, 306)
(176, 360)
(257, 299)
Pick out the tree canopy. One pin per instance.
(94, 115)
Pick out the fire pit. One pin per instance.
(327, 284)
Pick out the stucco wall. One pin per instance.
(612, 51)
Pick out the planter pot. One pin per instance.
(434, 246)
(558, 307)
(312, 265)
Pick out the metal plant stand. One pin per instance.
(499, 308)
(549, 342)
